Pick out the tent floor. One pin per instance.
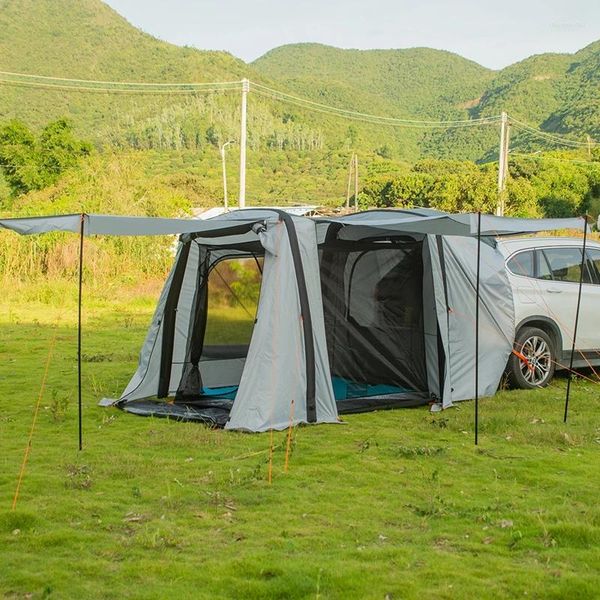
(215, 411)
(383, 402)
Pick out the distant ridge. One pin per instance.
(89, 40)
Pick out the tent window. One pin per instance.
(233, 292)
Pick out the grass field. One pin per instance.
(396, 504)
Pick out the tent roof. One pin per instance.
(427, 221)
(422, 220)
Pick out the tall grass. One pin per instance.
(106, 184)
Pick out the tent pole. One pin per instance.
(477, 329)
(567, 395)
(81, 231)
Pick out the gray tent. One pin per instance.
(371, 310)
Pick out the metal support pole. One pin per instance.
(243, 133)
(477, 329)
(79, 301)
(502, 163)
(583, 264)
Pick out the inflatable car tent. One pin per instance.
(371, 310)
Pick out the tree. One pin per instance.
(32, 163)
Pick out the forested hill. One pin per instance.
(86, 39)
(559, 92)
(412, 83)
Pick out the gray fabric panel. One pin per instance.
(184, 307)
(120, 225)
(144, 383)
(496, 327)
(325, 399)
(445, 224)
(220, 373)
(32, 225)
(418, 221)
(442, 316)
(272, 392)
(430, 325)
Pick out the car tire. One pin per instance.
(537, 347)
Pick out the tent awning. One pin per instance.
(414, 221)
(123, 225)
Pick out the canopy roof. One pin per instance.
(427, 221)
(424, 221)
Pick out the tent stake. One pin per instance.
(477, 329)
(567, 395)
(81, 228)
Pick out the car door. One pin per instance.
(558, 272)
(590, 301)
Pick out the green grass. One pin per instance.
(396, 504)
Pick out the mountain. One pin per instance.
(555, 92)
(86, 39)
(412, 83)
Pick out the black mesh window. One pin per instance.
(373, 305)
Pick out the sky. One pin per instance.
(494, 34)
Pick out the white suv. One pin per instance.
(544, 274)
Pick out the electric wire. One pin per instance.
(183, 88)
(352, 113)
(549, 136)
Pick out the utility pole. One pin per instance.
(225, 201)
(350, 166)
(589, 146)
(355, 182)
(243, 126)
(502, 163)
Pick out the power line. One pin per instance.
(325, 108)
(551, 137)
(131, 87)
(374, 120)
(115, 90)
(91, 85)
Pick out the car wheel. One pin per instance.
(531, 365)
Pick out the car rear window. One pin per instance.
(522, 264)
(565, 265)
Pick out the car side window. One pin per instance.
(543, 268)
(594, 258)
(522, 264)
(565, 264)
